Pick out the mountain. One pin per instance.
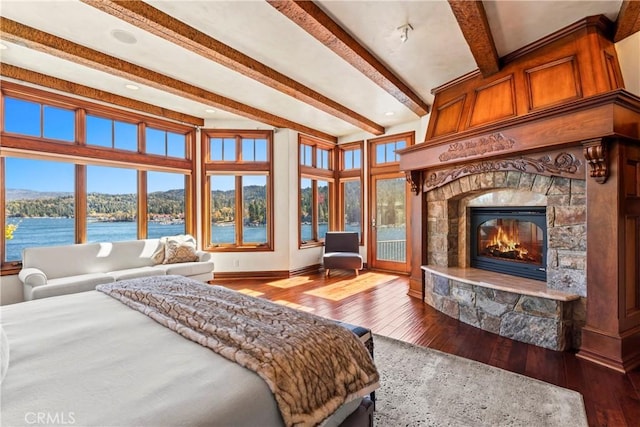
(22, 194)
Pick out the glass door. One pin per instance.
(388, 232)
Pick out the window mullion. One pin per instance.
(142, 205)
(314, 208)
(80, 211)
(239, 211)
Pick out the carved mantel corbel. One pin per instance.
(414, 178)
(595, 152)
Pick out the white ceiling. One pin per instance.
(435, 52)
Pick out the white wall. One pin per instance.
(629, 57)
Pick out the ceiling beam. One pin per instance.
(175, 31)
(473, 22)
(317, 23)
(33, 77)
(35, 39)
(628, 21)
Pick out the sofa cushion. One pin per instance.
(180, 249)
(127, 254)
(132, 273)
(345, 260)
(188, 268)
(63, 261)
(70, 285)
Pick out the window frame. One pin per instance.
(316, 174)
(239, 168)
(345, 175)
(80, 154)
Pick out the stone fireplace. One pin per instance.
(541, 313)
(553, 129)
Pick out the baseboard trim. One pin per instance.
(225, 276)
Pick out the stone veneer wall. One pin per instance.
(447, 227)
(540, 321)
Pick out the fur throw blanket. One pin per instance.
(311, 364)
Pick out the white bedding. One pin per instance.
(88, 360)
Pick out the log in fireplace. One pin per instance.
(510, 240)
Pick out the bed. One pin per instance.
(89, 359)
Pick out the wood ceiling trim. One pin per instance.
(171, 29)
(628, 21)
(24, 75)
(35, 39)
(473, 22)
(318, 24)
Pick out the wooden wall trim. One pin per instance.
(223, 276)
(610, 114)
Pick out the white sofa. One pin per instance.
(60, 270)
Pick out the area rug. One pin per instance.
(425, 387)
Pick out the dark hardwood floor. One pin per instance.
(379, 301)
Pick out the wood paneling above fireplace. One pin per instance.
(576, 62)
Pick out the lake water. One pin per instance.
(60, 231)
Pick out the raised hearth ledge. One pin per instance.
(513, 307)
(500, 282)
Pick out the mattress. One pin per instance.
(87, 359)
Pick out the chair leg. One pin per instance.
(357, 272)
(326, 272)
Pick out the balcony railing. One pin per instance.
(392, 250)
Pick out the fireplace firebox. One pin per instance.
(511, 240)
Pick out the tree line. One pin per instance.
(123, 207)
(170, 204)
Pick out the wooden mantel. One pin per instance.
(564, 91)
(613, 114)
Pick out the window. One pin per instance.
(77, 191)
(104, 132)
(111, 204)
(316, 189)
(386, 151)
(165, 143)
(166, 201)
(350, 188)
(39, 211)
(34, 119)
(238, 189)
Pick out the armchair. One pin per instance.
(341, 250)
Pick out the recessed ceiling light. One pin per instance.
(132, 87)
(389, 113)
(124, 36)
(209, 110)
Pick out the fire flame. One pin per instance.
(504, 241)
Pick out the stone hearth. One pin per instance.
(552, 315)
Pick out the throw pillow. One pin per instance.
(180, 249)
(158, 254)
